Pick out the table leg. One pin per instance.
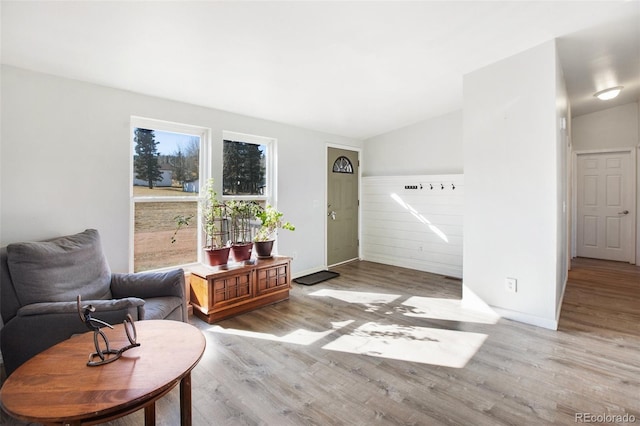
(150, 414)
(185, 400)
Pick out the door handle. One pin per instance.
(624, 212)
(332, 214)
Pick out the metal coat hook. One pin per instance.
(430, 186)
(441, 186)
(420, 186)
(453, 186)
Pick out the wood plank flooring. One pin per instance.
(272, 366)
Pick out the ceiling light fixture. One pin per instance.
(610, 93)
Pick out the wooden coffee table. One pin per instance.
(57, 387)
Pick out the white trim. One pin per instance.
(272, 173)
(271, 195)
(637, 207)
(246, 137)
(205, 159)
(574, 205)
(299, 274)
(343, 262)
(168, 126)
(635, 256)
(271, 165)
(326, 194)
(559, 302)
(633, 183)
(526, 318)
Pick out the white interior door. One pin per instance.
(605, 206)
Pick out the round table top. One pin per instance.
(57, 385)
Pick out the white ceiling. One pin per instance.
(355, 69)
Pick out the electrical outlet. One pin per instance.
(511, 285)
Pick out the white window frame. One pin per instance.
(205, 173)
(269, 196)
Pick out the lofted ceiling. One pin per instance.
(355, 69)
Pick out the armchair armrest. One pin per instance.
(72, 307)
(148, 284)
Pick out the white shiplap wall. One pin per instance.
(414, 228)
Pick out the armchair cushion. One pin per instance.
(58, 270)
(167, 307)
(146, 285)
(163, 292)
(132, 304)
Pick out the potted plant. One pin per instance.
(240, 215)
(214, 216)
(271, 220)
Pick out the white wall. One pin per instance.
(563, 156)
(432, 146)
(511, 169)
(66, 157)
(612, 128)
(416, 227)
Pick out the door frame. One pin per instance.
(634, 185)
(326, 195)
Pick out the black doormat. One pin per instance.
(316, 277)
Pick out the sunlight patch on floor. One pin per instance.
(450, 310)
(435, 346)
(447, 348)
(470, 309)
(298, 337)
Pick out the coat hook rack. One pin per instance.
(432, 186)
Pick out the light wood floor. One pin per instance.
(273, 368)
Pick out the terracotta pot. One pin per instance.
(263, 248)
(241, 251)
(217, 256)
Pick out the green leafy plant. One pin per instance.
(180, 220)
(240, 214)
(213, 217)
(271, 221)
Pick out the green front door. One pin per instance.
(342, 205)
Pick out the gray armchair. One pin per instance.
(39, 283)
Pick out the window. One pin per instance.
(247, 166)
(342, 165)
(247, 170)
(167, 169)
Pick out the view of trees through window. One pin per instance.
(166, 177)
(165, 183)
(244, 168)
(165, 160)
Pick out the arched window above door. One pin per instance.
(342, 165)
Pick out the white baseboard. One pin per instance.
(526, 318)
(299, 274)
(434, 268)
